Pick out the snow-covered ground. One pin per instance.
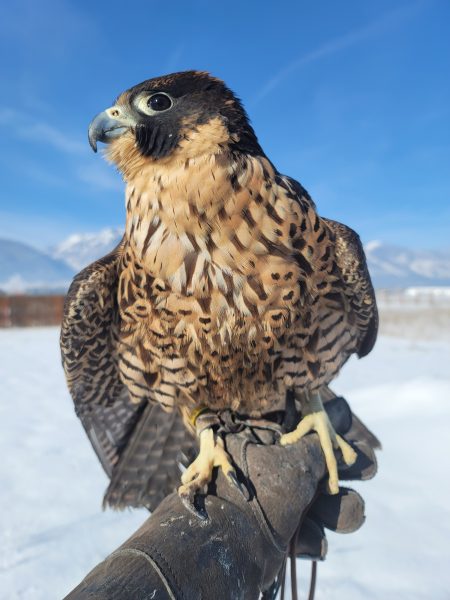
(53, 530)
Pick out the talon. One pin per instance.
(198, 475)
(348, 454)
(232, 478)
(317, 420)
(187, 497)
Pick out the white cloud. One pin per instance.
(23, 126)
(335, 45)
(7, 115)
(26, 126)
(41, 27)
(174, 58)
(50, 135)
(100, 175)
(40, 173)
(38, 230)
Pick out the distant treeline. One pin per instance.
(21, 310)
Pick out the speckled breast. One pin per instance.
(222, 349)
(225, 285)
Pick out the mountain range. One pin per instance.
(396, 267)
(25, 269)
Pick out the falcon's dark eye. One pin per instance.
(159, 102)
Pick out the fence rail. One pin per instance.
(26, 311)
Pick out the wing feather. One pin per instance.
(88, 348)
(138, 444)
(357, 284)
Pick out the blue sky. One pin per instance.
(350, 98)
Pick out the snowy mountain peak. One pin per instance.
(80, 249)
(390, 266)
(373, 245)
(395, 267)
(23, 268)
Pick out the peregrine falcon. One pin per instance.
(227, 291)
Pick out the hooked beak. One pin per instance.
(108, 125)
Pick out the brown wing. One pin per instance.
(137, 444)
(357, 285)
(149, 467)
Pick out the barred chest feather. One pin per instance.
(210, 283)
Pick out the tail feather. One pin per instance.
(149, 467)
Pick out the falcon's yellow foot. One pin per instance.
(317, 420)
(199, 473)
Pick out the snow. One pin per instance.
(27, 269)
(402, 392)
(392, 266)
(428, 292)
(53, 530)
(373, 245)
(80, 249)
(23, 268)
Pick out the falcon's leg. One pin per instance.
(316, 419)
(199, 473)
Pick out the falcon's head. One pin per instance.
(182, 115)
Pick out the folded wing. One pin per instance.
(139, 445)
(356, 285)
